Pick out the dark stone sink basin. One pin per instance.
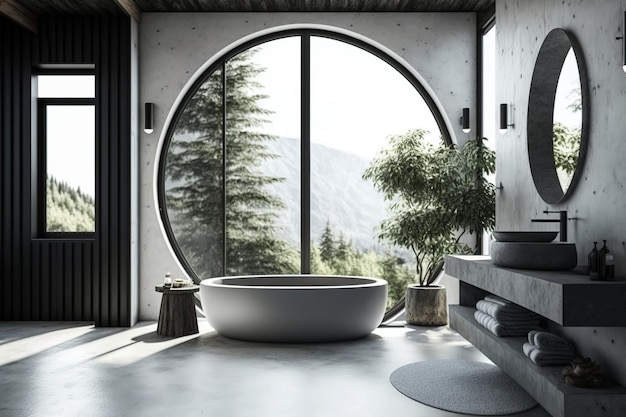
(504, 236)
(542, 256)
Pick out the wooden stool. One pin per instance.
(178, 311)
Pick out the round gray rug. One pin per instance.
(462, 386)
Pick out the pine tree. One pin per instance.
(68, 209)
(194, 172)
(327, 248)
(342, 258)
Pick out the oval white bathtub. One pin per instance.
(294, 308)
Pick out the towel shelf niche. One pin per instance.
(564, 298)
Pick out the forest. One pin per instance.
(68, 209)
(222, 214)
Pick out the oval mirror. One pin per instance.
(558, 116)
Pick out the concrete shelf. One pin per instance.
(545, 384)
(565, 297)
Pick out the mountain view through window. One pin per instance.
(234, 168)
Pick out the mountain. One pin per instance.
(338, 193)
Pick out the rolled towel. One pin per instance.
(550, 342)
(500, 312)
(547, 358)
(528, 348)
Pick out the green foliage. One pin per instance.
(68, 209)
(195, 199)
(198, 184)
(344, 259)
(566, 147)
(328, 247)
(436, 195)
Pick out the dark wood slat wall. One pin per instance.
(66, 279)
(14, 161)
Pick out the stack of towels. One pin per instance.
(504, 318)
(544, 349)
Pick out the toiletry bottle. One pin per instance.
(167, 282)
(593, 262)
(609, 267)
(602, 262)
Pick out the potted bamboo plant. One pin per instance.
(437, 194)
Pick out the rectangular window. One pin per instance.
(66, 86)
(67, 134)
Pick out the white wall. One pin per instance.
(174, 47)
(599, 199)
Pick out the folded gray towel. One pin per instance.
(546, 358)
(500, 329)
(506, 304)
(550, 342)
(502, 313)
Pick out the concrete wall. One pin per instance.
(599, 199)
(134, 172)
(440, 49)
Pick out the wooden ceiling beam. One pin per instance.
(15, 11)
(130, 8)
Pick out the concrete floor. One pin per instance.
(73, 369)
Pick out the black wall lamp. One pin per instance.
(504, 118)
(148, 116)
(465, 120)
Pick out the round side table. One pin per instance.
(177, 316)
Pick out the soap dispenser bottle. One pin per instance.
(592, 259)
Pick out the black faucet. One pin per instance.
(562, 223)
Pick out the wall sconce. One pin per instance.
(148, 116)
(465, 120)
(504, 118)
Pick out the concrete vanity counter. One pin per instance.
(565, 298)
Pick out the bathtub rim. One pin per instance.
(217, 282)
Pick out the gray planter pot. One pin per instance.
(426, 306)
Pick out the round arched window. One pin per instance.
(262, 168)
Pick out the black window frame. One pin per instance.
(305, 36)
(42, 171)
(485, 23)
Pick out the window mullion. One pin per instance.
(42, 166)
(305, 127)
(224, 160)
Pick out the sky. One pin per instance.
(357, 99)
(70, 151)
(357, 102)
(569, 80)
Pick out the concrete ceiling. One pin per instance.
(27, 12)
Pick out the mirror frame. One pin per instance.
(543, 87)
